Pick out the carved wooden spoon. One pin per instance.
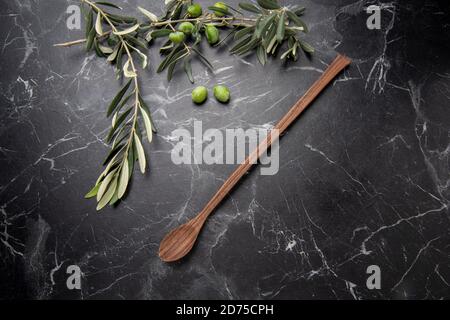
(178, 242)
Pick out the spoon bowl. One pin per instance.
(178, 242)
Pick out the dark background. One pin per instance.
(364, 176)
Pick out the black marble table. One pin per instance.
(363, 180)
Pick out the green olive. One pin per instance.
(176, 37)
(212, 34)
(186, 27)
(199, 94)
(222, 94)
(220, 5)
(195, 10)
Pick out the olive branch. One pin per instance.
(120, 39)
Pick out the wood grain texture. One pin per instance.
(177, 243)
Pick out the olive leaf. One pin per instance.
(126, 70)
(93, 192)
(249, 7)
(143, 57)
(117, 99)
(117, 123)
(121, 19)
(105, 50)
(137, 42)
(124, 178)
(169, 58)
(107, 196)
(281, 28)
(109, 4)
(89, 22)
(140, 153)
(306, 47)
(262, 55)
(146, 108)
(269, 4)
(244, 31)
(112, 57)
(220, 10)
(97, 48)
(151, 16)
(240, 43)
(160, 33)
(264, 24)
(148, 124)
(188, 70)
(295, 19)
(90, 39)
(98, 25)
(126, 31)
(104, 185)
(299, 11)
(203, 58)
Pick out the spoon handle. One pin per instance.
(330, 73)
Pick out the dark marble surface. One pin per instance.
(364, 175)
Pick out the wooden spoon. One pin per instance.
(178, 242)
